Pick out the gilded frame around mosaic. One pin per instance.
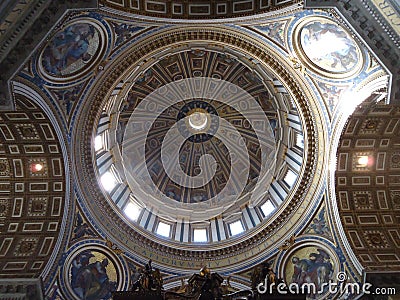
(91, 271)
(73, 51)
(312, 41)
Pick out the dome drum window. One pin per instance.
(213, 135)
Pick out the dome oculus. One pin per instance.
(198, 120)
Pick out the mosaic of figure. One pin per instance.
(67, 97)
(93, 276)
(82, 229)
(329, 46)
(124, 32)
(310, 265)
(331, 93)
(75, 44)
(319, 224)
(274, 31)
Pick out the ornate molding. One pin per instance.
(196, 10)
(40, 23)
(375, 30)
(130, 240)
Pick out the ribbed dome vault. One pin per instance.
(197, 152)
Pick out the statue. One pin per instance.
(263, 279)
(149, 280)
(211, 287)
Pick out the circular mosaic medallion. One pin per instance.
(92, 273)
(72, 51)
(327, 48)
(310, 267)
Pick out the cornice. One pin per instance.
(35, 26)
(111, 76)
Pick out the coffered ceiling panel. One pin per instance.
(368, 185)
(199, 9)
(32, 190)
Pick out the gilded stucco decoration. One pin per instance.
(195, 10)
(367, 159)
(33, 186)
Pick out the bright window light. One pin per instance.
(198, 120)
(267, 208)
(132, 211)
(326, 43)
(108, 181)
(290, 178)
(37, 167)
(98, 143)
(362, 161)
(200, 235)
(300, 141)
(163, 229)
(236, 227)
